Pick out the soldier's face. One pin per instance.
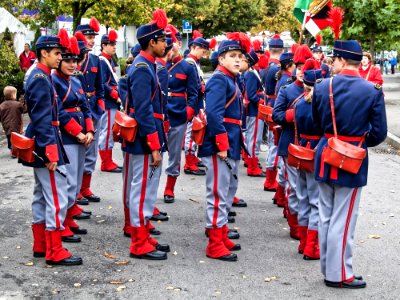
(299, 72)
(159, 46)
(68, 66)
(244, 65)
(110, 49)
(51, 59)
(90, 41)
(231, 61)
(317, 55)
(338, 64)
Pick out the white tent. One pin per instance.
(17, 29)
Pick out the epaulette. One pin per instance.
(319, 80)
(160, 67)
(141, 64)
(290, 80)
(283, 86)
(76, 73)
(378, 86)
(40, 75)
(190, 61)
(276, 75)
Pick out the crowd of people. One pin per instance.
(319, 119)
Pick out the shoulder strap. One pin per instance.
(68, 91)
(369, 71)
(233, 97)
(170, 69)
(110, 68)
(296, 100)
(87, 63)
(296, 138)
(332, 106)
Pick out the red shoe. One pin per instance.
(302, 231)
(169, 196)
(216, 247)
(107, 164)
(292, 221)
(311, 250)
(39, 240)
(253, 169)
(270, 183)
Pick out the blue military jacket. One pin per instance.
(359, 109)
(254, 92)
(145, 105)
(283, 114)
(200, 81)
(286, 79)
(269, 79)
(110, 85)
(74, 111)
(91, 77)
(162, 75)
(326, 72)
(42, 105)
(221, 133)
(309, 136)
(183, 79)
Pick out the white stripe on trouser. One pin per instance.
(254, 149)
(143, 190)
(221, 187)
(44, 201)
(175, 138)
(293, 202)
(91, 150)
(190, 145)
(281, 172)
(76, 157)
(126, 178)
(272, 151)
(338, 210)
(106, 141)
(308, 194)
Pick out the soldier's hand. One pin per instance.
(81, 138)
(223, 154)
(156, 155)
(89, 138)
(51, 166)
(119, 101)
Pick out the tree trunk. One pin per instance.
(78, 10)
(372, 44)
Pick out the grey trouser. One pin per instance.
(175, 138)
(76, 157)
(293, 202)
(254, 133)
(106, 141)
(308, 194)
(91, 150)
(190, 145)
(272, 157)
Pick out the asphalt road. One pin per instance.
(268, 266)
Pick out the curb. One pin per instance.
(393, 140)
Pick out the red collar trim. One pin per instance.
(287, 73)
(44, 68)
(106, 55)
(61, 75)
(161, 61)
(350, 72)
(177, 59)
(78, 67)
(298, 83)
(225, 71)
(147, 56)
(194, 57)
(274, 60)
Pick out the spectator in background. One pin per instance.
(393, 64)
(328, 61)
(369, 71)
(26, 58)
(386, 65)
(11, 112)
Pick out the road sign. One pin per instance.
(187, 27)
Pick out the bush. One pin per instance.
(206, 65)
(10, 72)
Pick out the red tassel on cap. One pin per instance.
(256, 45)
(263, 61)
(318, 39)
(160, 18)
(80, 37)
(294, 48)
(311, 64)
(94, 24)
(267, 54)
(302, 54)
(63, 36)
(73, 46)
(213, 43)
(276, 36)
(335, 16)
(245, 41)
(196, 34)
(171, 31)
(112, 36)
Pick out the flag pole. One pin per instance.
(303, 26)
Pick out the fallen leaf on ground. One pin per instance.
(244, 276)
(374, 236)
(202, 261)
(124, 262)
(118, 281)
(77, 285)
(236, 228)
(269, 279)
(109, 207)
(120, 288)
(109, 255)
(55, 292)
(169, 288)
(217, 293)
(175, 253)
(29, 264)
(158, 222)
(5, 257)
(18, 247)
(100, 221)
(131, 280)
(194, 200)
(177, 289)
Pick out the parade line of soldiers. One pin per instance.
(318, 127)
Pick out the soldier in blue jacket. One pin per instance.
(76, 131)
(360, 116)
(112, 102)
(270, 81)
(93, 86)
(318, 55)
(49, 204)
(220, 150)
(283, 115)
(146, 106)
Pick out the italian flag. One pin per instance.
(314, 23)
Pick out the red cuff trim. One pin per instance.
(89, 125)
(166, 126)
(203, 87)
(289, 116)
(73, 127)
(114, 94)
(101, 104)
(153, 142)
(189, 112)
(52, 153)
(222, 141)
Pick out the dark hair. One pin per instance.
(27, 44)
(276, 50)
(39, 53)
(214, 65)
(283, 68)
(352, 62)
(144, 44)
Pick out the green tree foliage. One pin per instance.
(375, 23)
(10, 72)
